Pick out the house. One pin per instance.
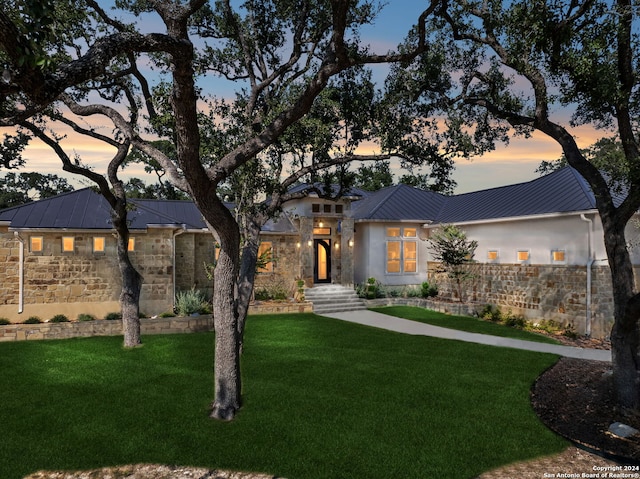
(540, 249)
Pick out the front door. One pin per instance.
(322, 251)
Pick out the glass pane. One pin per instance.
(393, 232)
(323, 269)
(67, 243)
(36, 243)
(410, 256)
(393, 256)
(265, 253)
(410, 232)
(131, 246)
(523, 255)
(558, 256)
(492, 255)
(98, 244)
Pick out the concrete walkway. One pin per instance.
(391, 323)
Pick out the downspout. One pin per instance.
(590, 262)
(173, 241)
(20, 272)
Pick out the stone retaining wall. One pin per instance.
(101, 327)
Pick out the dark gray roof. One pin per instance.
(563, 191)
(399, 203)
(320, 189)
(86, 209)
(559, 192)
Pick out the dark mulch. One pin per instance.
(575, 399)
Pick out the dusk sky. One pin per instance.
(507, 165)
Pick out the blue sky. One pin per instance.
(507, 165)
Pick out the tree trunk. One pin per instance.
(247, 275)
(228, 385)
(625, 335)
(131, 283)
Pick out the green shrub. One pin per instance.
(490, 314)
(4, 321)
(413, 292)
(167, 314)
(32, 320)
(428, 290)
(570, 332)
(394, 292)
(59, 318)
(514, 321)
(86, 317)
(113, 316)
(190, 302)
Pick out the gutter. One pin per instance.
(20, 272)
(591, 259)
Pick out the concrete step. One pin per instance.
(333, 299)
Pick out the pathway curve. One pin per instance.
(391, 323)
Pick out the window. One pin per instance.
(558, 256)
(327, 208)
(315, 208)
(410, 256)
(523, 256)
(99, 244)
(339, 209)
(131, 246)
(492, 255)
(68, 244)
(393, 256)
(265, 257)
(410, 233)
(36, 244)
(393, 232)
(322, 231)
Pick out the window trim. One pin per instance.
(558, 261)
(104, 244)
(523, 251)
(33, 240)
(497, 255)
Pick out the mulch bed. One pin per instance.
(575, 399)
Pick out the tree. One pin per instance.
(374, 177)
(26, 187)
(281, 56)
(516, 64)
(450, 246)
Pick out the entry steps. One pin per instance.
(333, 298)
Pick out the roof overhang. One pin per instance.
(428, 225)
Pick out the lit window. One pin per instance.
(558, 256)
(99, 244)
(492, 255)
(131, 246)
(393, 256)
(265, 257)
(68, 244)
(410, 257)
(393, 232)
(410, 233)
(36, 244)
(523, 256)
(322, 231)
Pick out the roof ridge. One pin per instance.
(392, 190)
(157, 212)
(586, 189)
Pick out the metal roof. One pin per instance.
(399, 203)
(86, 209)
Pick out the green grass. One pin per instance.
(323, 399)
(462, 323)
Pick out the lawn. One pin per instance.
(462, 323)
(323, 399)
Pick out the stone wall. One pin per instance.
(82, 281)
(285, 251)
(557, 292)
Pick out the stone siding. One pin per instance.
(537, 292)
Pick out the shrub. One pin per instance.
(514, 321)
(59, 318)
(413, 292)
(394, 292)
(190, 302)
(113, 316)
(32, 320)
(273, 288)
(86, 317)
(428, 290)
(4, 321)
(167, 314)
(570, 332)
(490, 314)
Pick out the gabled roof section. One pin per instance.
(399, 203)
(562, 191)
(335, 190)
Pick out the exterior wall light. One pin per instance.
(309, 243)
(351, 243)
(298, 244)
(337, 245)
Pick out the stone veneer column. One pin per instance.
(306, 250)
(347, 251)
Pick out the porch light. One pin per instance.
(321, 224)
(309, 243)
(351, 243)
(337, 245)
(298, 244)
